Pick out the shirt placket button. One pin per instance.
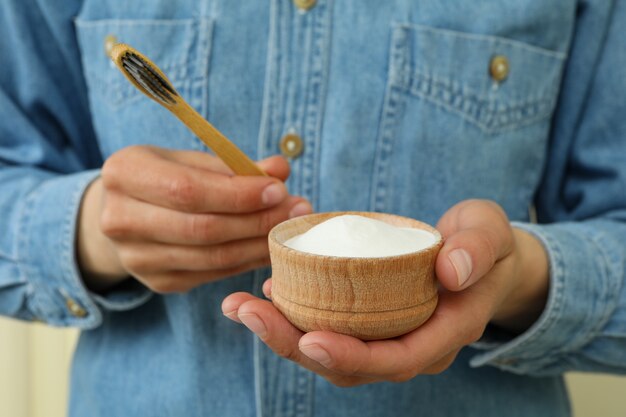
(291, 145)
(305, 4)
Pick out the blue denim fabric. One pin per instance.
(398, 113)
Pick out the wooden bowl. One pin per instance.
(368, 298)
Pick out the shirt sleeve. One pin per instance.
(581, 208)
(48, 157)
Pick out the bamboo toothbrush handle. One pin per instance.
(213, 138)
(151, 81)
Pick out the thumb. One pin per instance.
(477, 235)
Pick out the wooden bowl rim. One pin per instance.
(330, 214)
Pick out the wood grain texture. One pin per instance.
(369, 298)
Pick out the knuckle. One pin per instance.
(403, 376)
(497, 208)
(164, 285)
(286, 352)
(416, 367)
(343, 382)
(439, 368)
(443, 364)
(134, 151)
(242, 197)
(133, 261)
(114, 168)
(114, 221)
(161, 287)
(474, 334)
(113, 225)
(222, 258)
(182, 192)
(202, 227)
(267, 220)
(350, 367)
(436, 370)
(482, 204)
(484, 242)
(470, 205)
(111, 171)
(107, 223)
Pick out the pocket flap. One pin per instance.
(452, 69)
(173, 45)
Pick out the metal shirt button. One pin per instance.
(109, 42)
(75, 308)
(291, 145)
(499, 68)
(304, 4)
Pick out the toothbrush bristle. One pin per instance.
(149, 79)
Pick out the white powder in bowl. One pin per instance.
(360, 237)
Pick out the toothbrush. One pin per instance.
(151, 81)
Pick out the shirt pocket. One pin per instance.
(452, 129)
(121, 114)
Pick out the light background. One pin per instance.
(34, 361)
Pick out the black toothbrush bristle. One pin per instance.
(148, 78)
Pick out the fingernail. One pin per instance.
(254, 323)
(462, 264)
(317, 353)
(273, 194)
(300, 209)
(233, 316)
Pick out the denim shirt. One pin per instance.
(398, 112)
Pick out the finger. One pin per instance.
(451, 327)
(124, 218)
(478, 235)
(442, 364)
(267, 289)
(196, 159)
(264, 320)
(166, 181)
(183, 281)
(350, 356)
(276, 166)
(471, 213)
(230, 304)
(150, 257)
